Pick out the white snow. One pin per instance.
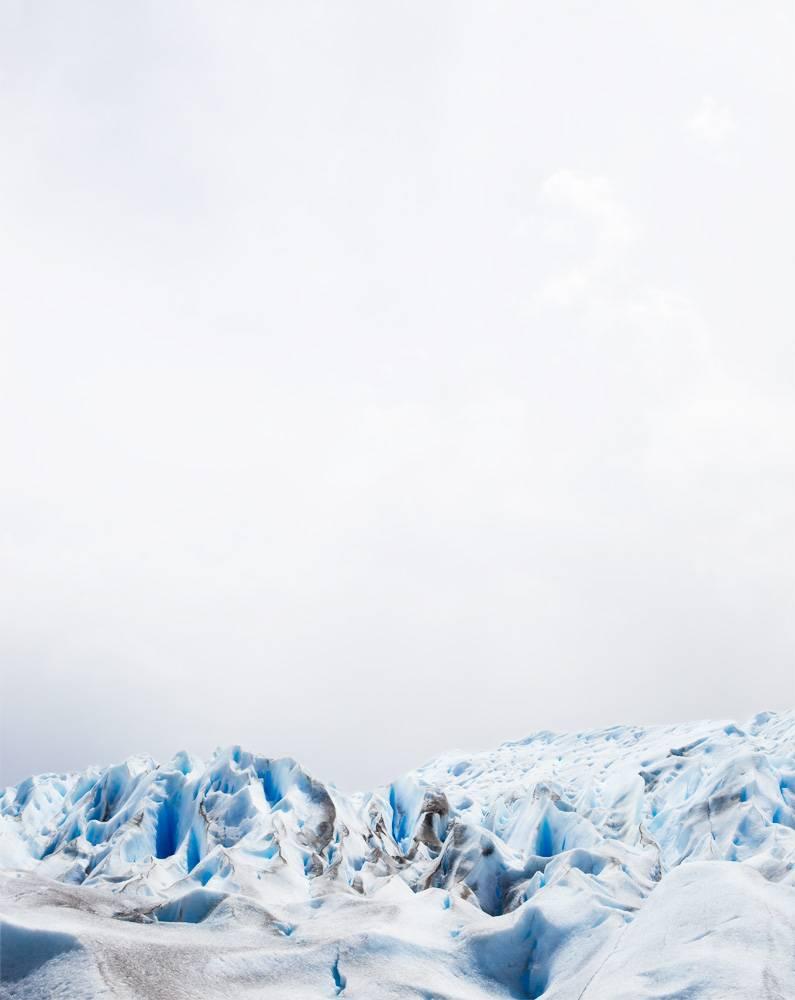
(611, 865)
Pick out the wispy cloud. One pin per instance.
(592, 200)
(711, 121)
(593, 197)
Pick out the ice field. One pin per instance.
(618, 864)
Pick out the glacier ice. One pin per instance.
(615, 864)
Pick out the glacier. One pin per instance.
(627, 863)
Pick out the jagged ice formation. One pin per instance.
(618, 864)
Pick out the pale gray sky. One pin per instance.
(379, 378)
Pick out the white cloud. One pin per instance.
(274, 409)
(712, 122)
(591, 200)
(594, 198)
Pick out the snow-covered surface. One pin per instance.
(621, 864)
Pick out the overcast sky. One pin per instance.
(383, 378)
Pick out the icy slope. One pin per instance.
(558, 866)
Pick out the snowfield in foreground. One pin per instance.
(619, 864)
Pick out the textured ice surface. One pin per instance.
(614, 865)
